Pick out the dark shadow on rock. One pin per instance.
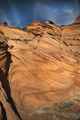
(3, 112)
(5, 84)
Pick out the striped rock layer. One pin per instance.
(43, 69)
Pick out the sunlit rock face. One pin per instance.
(44, 69)
(71, 34)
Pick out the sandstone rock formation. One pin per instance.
(5, 106)
(71, 34)
(44, 70)
(77, 21)
(34, 26)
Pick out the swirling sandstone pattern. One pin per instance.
(44, 70)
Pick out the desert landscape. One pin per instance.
(40, 72)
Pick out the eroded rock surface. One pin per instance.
(44, 70)
(6, 111)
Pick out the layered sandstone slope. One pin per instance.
(43, 69)
(71, 34)
(8, 113)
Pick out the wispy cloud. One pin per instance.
(4, 18)
(15, 13)
(22, 12)
(44, 12)
(59, 13)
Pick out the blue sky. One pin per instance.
(22, 12)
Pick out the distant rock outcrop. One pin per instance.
(34, 26)
(77, 21)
